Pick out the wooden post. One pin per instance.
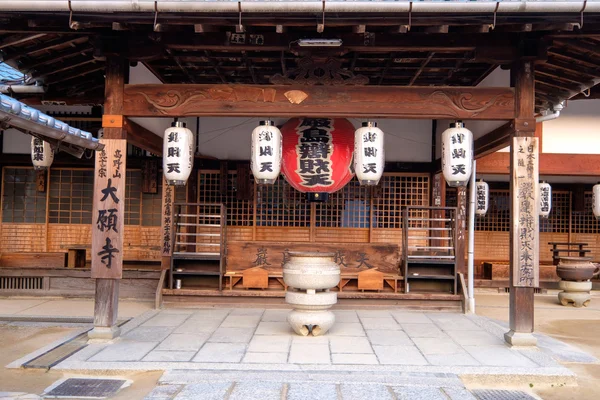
(109, 206)
(461, 228)
(524, 229)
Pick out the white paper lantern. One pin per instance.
(178, 154)
(596, 200)
(42, 154)
(265, 160)
(545, 199)
(482, 198)
(457, 154)
(369, 155)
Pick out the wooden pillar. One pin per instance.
(109, 206)
(524, 229)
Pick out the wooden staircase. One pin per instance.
(198, 244)
(428, 250)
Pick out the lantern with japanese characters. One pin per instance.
(457, 154)
(369, 155)
(545, 199)
(596, 200)
(317, 155)
(42, 154)
(178, 154)
(265, 161)
(482, 198)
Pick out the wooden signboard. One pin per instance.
(150, 176)
(167, 223)
(109, 210)
(352, 257)
(524, 213)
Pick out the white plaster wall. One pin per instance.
(16, 142)
(576, 131)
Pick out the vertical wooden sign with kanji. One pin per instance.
(167, 223)
(109, 210)
(524, 213)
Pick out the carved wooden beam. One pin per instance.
(550, 164)
(319, 101)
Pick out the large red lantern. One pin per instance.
(317, 155)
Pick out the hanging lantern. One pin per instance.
(545, 199)
(265, 161)
(369, 156)
(317, 155)
(596, 200)
(483, 198)
(42, 154)
(457, 154)
(178, 154)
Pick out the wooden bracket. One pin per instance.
(112, 121)
(524, 126)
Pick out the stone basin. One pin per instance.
(311, 270)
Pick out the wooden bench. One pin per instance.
(253, 278)
(567, 248)
(32, 260)
(370, 279)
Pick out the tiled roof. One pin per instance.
(9, 74)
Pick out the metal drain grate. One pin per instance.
(493, 394)
(22, 283)
(83, 388)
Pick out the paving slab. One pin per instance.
(221, 352)
(163, 392)
(241, 321)
(422, 330)
(350, 344)
(149, 333)
(362, 392)
(210, 314)
(274, 328)
(124, 351)
(460, 359)
(399, 355)
(265, 358)
(198, 326)
(301, 353)
(247, 311)
(169, 356)
(438, 346)
(172, 320)
(312, 391)
(499, 356)
(354, 359)
(270, 344)
(458, 394)
(454, 322)
(474, 338)
(183, 342)
(389, 338)
(204, 391)
(387, 323)
(406, 317)
(346, 316)
(346, 329)
(231, 335)
(275, 315)
(256, 391)
(420, 393)
(373, 313)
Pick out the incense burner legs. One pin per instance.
(577, 293)
(309, 277)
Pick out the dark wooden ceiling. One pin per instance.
(67, 52)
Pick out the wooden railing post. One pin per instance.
(524, 228)
(109, 206)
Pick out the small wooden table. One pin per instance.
(556, 250)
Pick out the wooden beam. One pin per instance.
(18, 39)
(143, 138)
(493, 141)
(319, 101)
(44, 46)
(550, 164)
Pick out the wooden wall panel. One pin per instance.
(386, 236)
(241, 233)
(141, 243)
(593, 241)
(491, 246)
(342, 235)
(545, 237)
(61, 236)
(23, 237)
(283, 234)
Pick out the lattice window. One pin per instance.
(346, 208)
(239, 212)
(585, 221)
(71, 196)
(497, 218)
(398, 191)
(281, 205)
(21, 202)
(133, 197)
(558, 220)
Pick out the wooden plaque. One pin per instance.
(167, 226)
(524, 213)
(109, 210)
